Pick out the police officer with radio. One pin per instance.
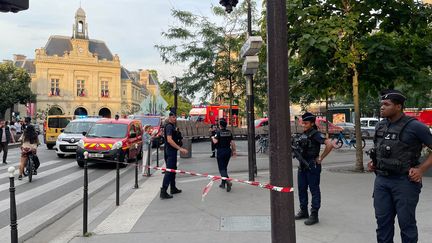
(309, 175)
(395, 157)
(225, 147)
(173, 143)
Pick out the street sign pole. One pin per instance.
(281, 171)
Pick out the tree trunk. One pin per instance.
(359, 149)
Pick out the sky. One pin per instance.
(130, 28)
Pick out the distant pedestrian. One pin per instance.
(147, 140)
(171, 147)
(212, 131)
(225, 147)
(6, 137)
(309, 175)
(398, 143)
(18, 127)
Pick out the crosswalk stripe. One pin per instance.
(127, 214)
(5, 186)
(44, 164)
(37, 191)
(34, 222)
(6, 167)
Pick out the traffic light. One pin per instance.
(13, 5)
(228, 4)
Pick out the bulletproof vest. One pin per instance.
(176, 136)
(310, 147)
(393, 155)
(224, 139)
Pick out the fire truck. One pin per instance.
(210, 114)
(424, 115)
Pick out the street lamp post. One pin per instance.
(175, 95)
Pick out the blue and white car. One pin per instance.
(67, 141)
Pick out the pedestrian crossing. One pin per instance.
(54, 175)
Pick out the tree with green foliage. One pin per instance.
(167, 92)
(14, 87)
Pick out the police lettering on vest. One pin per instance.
(224, 138)
(394, 157)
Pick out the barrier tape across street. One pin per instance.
(212, 177)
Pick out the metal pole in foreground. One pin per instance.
(85, 199)
(175, 95)
(136, 169)
(157, 151)
(148, 159)
(118, 181)
(282, 204)
(13, 214)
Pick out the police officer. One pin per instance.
(225, 147)
(309, 176)
(398, 143)
(172, 137)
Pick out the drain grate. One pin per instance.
(245, 223)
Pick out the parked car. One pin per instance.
(155, 122)
(111, 140)
(52, 128)
(67, 141)
(348, 127)
(262, 122)
(367, 125)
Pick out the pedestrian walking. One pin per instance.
(395, 157)
(225, 147)
(6, 137)
(172, 137)
(147, 140)
(309, 175)
(212, 131)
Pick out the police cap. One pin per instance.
(394, 95)
(308, 117)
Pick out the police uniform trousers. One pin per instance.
(309, 178)
(171, 163)
(223, 156)
(396, 195)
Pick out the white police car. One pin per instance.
(67, 141)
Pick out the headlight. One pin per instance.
(59, 139)
(80, 144)
(117, 145)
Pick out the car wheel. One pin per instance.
(80, 163)
(50, 146)
(61, 155)
(140, 154)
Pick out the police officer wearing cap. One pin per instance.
(398, 143)
(225, 147)
(309, 175)
(173, 140)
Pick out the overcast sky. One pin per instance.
(130, 28)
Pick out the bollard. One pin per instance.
(118, 180)
(148, 159)
(157, 151)
(85, 199)
(136, 169)
(13, 214)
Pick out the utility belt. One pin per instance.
(389, 173)
(312, 164)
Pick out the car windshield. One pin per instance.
(108, 130)
(60, 122)
(152, 121)
(78, 127)
(257, 122)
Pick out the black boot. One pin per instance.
(302, 214)
(213, 155)
(175, 190)
(164, 194)
(229, 185)
(313, 218)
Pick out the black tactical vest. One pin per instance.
(224, 139)
(310, 147)
(394, 156)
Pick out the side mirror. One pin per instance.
(62, 130)
(84, 133)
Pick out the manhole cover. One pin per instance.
(245, 223)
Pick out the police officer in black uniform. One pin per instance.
(173, 141)
(225, 147)
(398, 143)
(309, 176)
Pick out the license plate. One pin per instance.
(96, 155)
(52, 138)
(71, 147)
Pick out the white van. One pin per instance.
(367, 125)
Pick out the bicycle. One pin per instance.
(341, 140)
(263, 143)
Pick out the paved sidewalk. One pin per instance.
(243, 214)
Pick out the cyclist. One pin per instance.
(30, 142)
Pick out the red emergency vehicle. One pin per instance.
(210, 114)
(424, 115)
